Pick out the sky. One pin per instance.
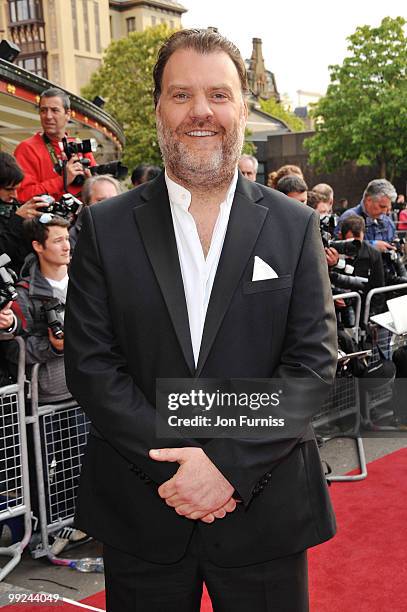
(301, 38)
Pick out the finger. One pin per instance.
(219, 514)
(166, 454)
(230, 506)
(167, 489)
(208, 518)
(175, 500)
(188, 510)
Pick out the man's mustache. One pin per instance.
(199, 125)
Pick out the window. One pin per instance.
(97, 28)
(24, 10)
(131, 24)
(86, 24)
(153, 21)
(36, 65)
(75, 25)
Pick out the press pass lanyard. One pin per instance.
(58, 163)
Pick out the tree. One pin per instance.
(363, 116)
(125, 82)
(278, 110)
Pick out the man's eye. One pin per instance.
(220, 96)
(181, 96)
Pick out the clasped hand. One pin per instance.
(198, 490)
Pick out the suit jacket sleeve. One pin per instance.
(96, 368)
(309, 351)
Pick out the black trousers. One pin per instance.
(135, 585)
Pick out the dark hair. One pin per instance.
(143, 173)
(152, 172)
(10, 172)
(35, 230)
(204, 42)
(138, 174)
(291, 183)
(354, 224)
(314, 198)
(54, 92)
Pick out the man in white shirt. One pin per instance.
(199, 274)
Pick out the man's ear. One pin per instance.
(37, 246)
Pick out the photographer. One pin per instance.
(376, 200)
(368, 262)
(12, 215)
(41, 304)
(45, 166)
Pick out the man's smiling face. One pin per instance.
(201, 116)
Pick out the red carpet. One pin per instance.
(364, 568)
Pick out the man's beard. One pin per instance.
(203, 169)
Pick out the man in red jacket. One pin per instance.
(40, 156)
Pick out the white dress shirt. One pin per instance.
(198, 273)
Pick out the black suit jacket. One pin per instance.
(127, 324)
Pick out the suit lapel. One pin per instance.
(245, 222)
(157, 231)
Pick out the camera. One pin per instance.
(80, 148)
(8, 278)
(347, 281)
(54, 312)
(66, 207)
(394, 267)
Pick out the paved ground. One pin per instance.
(39, 575)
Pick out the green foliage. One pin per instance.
(249, 148)
(125, 81)
(278, 110)
(363, 116)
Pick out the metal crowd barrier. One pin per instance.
(15, 509)
(60, 434)
(377, 402)
(339, 416)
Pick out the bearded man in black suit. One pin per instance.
(199, 274)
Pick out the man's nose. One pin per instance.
(201, 108)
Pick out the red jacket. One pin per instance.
(38, 167)
(402, 224)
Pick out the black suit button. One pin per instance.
(268, 475)
(264, 481)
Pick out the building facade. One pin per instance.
(64, 40)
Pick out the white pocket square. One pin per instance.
(262, 271)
